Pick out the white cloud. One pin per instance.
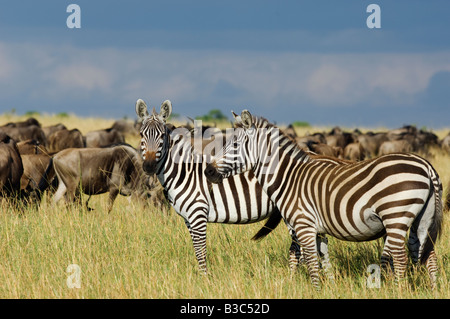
(330, 83)
(266, 79)
(7, 63)
(391, 77)
(83, 77)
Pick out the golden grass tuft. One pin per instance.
(141, 252)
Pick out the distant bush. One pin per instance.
(32, 113)
(301, 124)
(63, 115)
(213, 115)
(174, 116)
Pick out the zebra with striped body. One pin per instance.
(239, 200)
(384, 196)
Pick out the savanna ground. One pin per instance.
(144, 252)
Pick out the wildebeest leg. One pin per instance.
(112, 197)
(73, 195)
(87, 202)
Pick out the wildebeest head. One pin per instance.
(154, 135)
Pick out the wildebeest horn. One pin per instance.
(190, 119)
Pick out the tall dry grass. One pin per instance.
(142, 252)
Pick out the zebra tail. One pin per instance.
(436, 225)
(271, 223)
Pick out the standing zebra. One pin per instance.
(351, 201)
(240, 200)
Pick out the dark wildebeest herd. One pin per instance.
(34, 159)
(357, 146)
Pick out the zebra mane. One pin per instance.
(258, 121)
(286, 142)
(151, 118)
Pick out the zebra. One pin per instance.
(240, 200)
(352, 201)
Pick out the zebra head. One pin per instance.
(154, 134)
(238, 154)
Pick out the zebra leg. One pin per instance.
(432, 268)
(386, 258)
(198, 235)
(419, 234)
(307, 238)
(294, 252)
(322, 248)
(296, 256)
(395, 244)
(413, 244)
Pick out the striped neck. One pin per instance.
(180, 152)
(276, 160)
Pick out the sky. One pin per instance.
(313, 61)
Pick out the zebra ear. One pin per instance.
(247, 120)
(166, 110)
(141, 109)
(237, 118)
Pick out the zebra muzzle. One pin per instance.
(149, 164)
(212, 174)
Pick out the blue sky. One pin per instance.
(312, 61)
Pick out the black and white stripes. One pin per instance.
(238, 200)
(385, 196)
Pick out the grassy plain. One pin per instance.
(143, 252)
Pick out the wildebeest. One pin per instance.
(28, 122)
(445, 143)
(22, 133)
(104, 137)
(419, 140)
(354, 152)
(339, 138)
(447, 200)
(290, 131)
(11, 167)
(395, 146)
(303, 141)
(49, 130)
(426, 139)
(63, 139)
(157, 194)
(371, 142)
(325, 149)
(31, 147)
(38, 174)
(125, 127)
(116, 169)
(402, 133)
